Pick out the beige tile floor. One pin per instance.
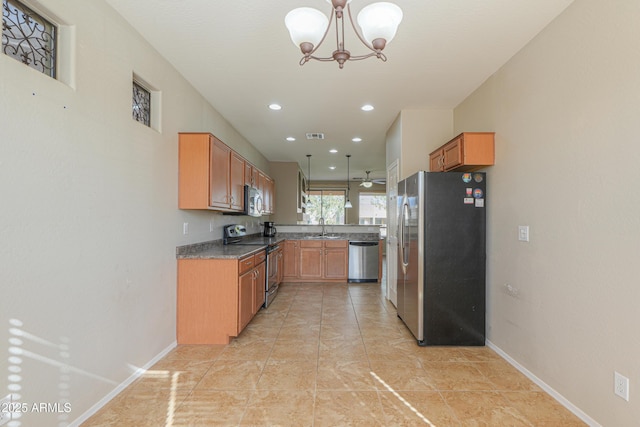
(331, 355)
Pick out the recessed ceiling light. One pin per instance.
(332, 167)
(290, 138)
(367, 107)
(356, 139)
(333, 150)
(275, 107)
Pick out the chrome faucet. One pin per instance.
(321, 222)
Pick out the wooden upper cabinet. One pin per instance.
(260, 179)
(212, 175)
(467, 152)
(266, 185)
(268, 195)
(194, 164)
(220, 175)
(250, 175)
(236, 184)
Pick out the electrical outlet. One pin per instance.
(5, 410)
(510, 290)
(185, 228)
(621, 386)
(523, 233)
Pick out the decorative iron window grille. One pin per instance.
(141, 104)
(28, 37)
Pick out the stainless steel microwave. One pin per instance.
(253, 202)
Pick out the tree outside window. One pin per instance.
(327, 204)
(373, 210)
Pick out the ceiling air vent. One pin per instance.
(315, 136)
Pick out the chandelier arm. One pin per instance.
(364, 42)
(380, 55)
(324, 59)
(324, 36)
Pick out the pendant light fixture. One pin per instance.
(308, 173)
(347, 204)
(309, 27)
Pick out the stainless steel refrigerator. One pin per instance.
(442, 256)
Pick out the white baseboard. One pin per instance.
(137, 374)
(557, 396)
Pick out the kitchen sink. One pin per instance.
(321, 237)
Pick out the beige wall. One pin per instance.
(566, 112)
(414, 134)
(285, 175)
(89, 220)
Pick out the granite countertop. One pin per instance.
(374, 237)
(215, 249)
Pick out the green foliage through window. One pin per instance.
(327, 204)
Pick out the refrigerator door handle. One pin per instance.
(401, 237)
(405, 214)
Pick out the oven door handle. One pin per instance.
(273, 265)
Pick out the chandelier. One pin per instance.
(309, 27)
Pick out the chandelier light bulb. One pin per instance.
(379, 21)
(306, 25)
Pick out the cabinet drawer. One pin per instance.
(246, 264)
(310, 243)
(335, 243)
(260, 257)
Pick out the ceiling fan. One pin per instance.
(368, 181)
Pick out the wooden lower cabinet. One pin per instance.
(259, 287)
(336, 261)
(217, 298)
(291, 269)
(311, 260)
(246, 287)
(316, 261)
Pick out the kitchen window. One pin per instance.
(145, 103)
(28, 37)
(373, 210)
(327, 204)
(141, 104)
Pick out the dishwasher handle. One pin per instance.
(363, 243)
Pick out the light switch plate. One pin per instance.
(523, 233)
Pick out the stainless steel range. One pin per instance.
(235, 234)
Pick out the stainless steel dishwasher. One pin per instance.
(363, 261)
